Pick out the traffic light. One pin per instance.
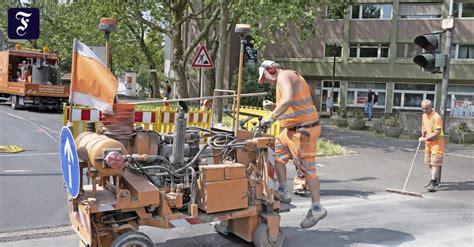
(431, 59)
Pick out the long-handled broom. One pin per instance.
(403, 191)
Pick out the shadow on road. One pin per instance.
(348, 180)
(213, 240)
(295, 236)
(456, 186)
(351, 193)
(335, 237)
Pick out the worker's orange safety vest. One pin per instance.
(301, 109)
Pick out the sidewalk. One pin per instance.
(371, 138)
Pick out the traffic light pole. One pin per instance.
(445, 81)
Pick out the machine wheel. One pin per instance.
(261, 237)
(132, 238)
(15, 102)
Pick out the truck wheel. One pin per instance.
(261, 237)
(15, 102)
(132, 238)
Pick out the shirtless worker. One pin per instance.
(297, 114)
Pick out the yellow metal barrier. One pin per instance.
(275, 128)
(159, 119)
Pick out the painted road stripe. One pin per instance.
(13, 171)
(20, 155)
(381, 197)
(44, 127)
(34, 124)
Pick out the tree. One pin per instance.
(168, 18)
(61, 23)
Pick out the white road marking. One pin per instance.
(379, 197)
(34, 124)
(44, 127)
(20, 155)
(13, 171)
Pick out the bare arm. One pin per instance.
(434, 135)
(285, 82)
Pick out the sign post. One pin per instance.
(202, 60)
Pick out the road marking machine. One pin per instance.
(128, 177)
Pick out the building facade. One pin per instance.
(373, 48)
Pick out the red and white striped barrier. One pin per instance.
(89, 115)
(193, 117)
(145, 117)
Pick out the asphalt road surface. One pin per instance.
(31, 193)
(360, 212)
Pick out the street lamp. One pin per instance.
(242, 30)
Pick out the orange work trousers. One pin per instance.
(299, 147)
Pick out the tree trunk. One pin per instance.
(178, 63)
(152, 65)
(221, 53)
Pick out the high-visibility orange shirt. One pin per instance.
(431, 122)
(301, 109)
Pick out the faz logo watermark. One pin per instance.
(23, 23)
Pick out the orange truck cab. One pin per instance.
(30, 78)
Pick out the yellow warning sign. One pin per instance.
(11, 149)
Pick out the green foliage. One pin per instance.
(355, 114)
(391, 120)
(341, 113)
(250, 85)
(61, 23)
(271, 18)
(326, 147)
(458, 129)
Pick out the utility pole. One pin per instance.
(448, 25)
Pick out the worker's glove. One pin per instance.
(268, 105)
(267, 122)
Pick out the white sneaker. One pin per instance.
(312, 218)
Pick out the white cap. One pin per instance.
(265, 64)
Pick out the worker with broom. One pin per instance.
(297, 114)
(432, 135)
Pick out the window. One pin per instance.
(409, 96)
(459, 51)
(357, 93)
(466, 52)
(327, 86)
(459, 96)
(368, 50)
(329, 50)
(335, 12)
(420, 10)
(463, 10)
(408, 50)
(371, 11)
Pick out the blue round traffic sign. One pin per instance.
(69, 161)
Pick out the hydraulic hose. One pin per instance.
(191, 162)
(159, 167)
